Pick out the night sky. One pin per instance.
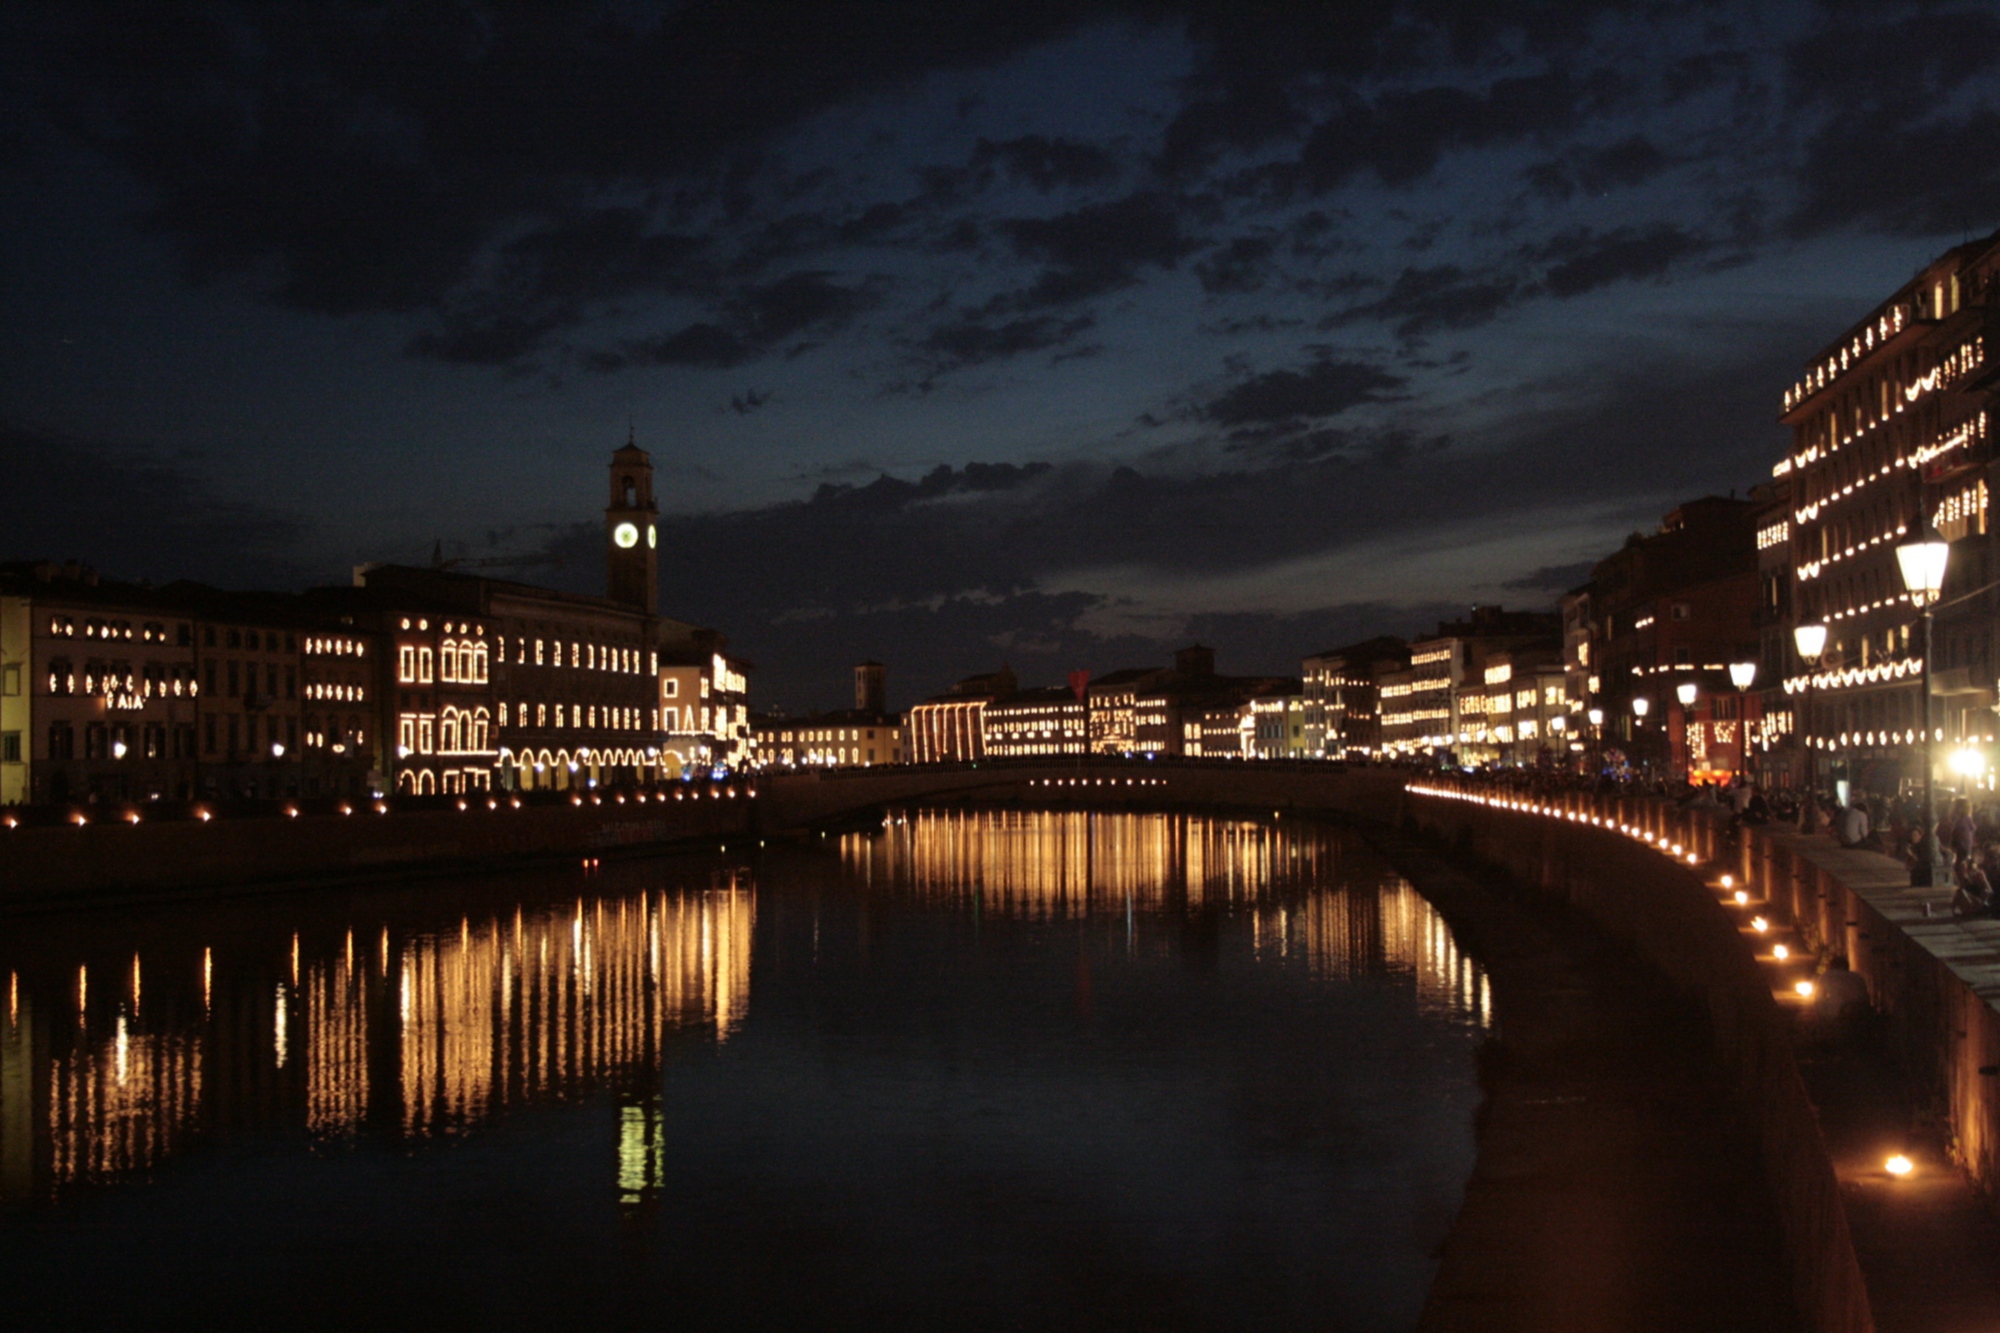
(1060, 334)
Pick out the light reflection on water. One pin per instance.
(725, 1017)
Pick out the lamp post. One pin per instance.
(1687, 691)
(1640, 704)
(1923, 560)
(1810, 641)
(1742, 675)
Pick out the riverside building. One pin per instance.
(1892, 428)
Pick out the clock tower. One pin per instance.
(631, 531)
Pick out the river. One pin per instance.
(968, 1069)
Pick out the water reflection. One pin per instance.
(1305, 905)
(416, 1033)
(1051, 1069)
(430, 1034)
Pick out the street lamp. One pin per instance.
(1810, 641)
(1742, 675)
(1923, 560)
(1686, 692)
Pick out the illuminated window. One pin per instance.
(448, 662)
(424, 666)
(425, 739)
(406, 665)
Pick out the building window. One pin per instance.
(235, 680)
(406, 665)
(424, 666)
(10, 747)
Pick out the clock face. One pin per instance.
(625, 535)
(652, 536)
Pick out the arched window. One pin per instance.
(448, 732)
(448, 662)
(631, 493)
(313, 736)
(479, 663)
(406, 781)
(481, 726)
(426, 784)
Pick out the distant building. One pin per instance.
(1113, 701)
(1040, 722)
(117, 691)
(1438, 703)
(412, 680)
(950, 727)
(853, 738)
(1674, 606)
(1341, 711)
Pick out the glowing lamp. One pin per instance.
(1639, 707)
(1596, 716)
(118, 749)
(1805, 990)
(1810, 640)
(1899, 1165)
(1759, 924)
(277, 749)
(1742, 674)
(1685, 692)
(1923, 562)
(1780, 952)
(1729, 881)
(1742, 898)
(1968, 762)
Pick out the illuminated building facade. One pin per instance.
(1113, 705)
(704, 699)
(1036, 722)
(418, 681)
(1892, 427)
(1438, 703)
(1341, 706)
(1677, 605)
(1514, 720)
(852, 738)
(340, 701)
(123, 692)
(950, 728)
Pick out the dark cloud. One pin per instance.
(1424, 300)
(971, 340)
(1101, 247)
(1907, 114)
(1631, 161)
(1551, 581)
(1400, 136)
(138, 516)
(1587, 260)
(743, 404)
(1237, 266)
(1047, 163)
(758, 320)
(369, 158)
(1323, 389)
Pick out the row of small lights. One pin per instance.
(79, 818)
(1897, 1165)
(1098, 782)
